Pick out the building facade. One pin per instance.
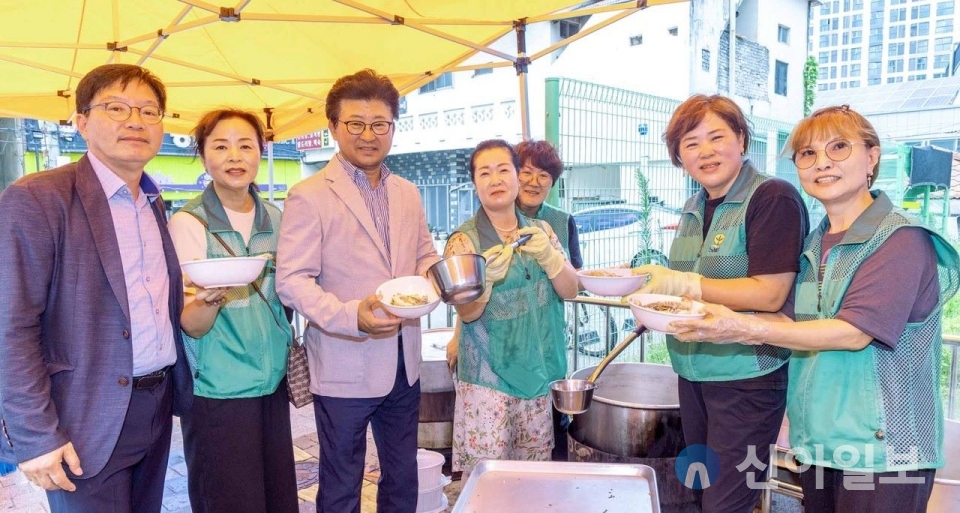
(871, 42)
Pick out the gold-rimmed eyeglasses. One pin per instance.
(837, 150)
(119, 111)
(530, 177)
(377, 127)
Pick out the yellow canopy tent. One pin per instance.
(274, 57)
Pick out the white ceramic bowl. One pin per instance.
(224, 272)
(618, 282)
(408, 285)
(658, 321)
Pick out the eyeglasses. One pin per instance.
(837, 151)
(119, 111)
(530, 177)
(377, 127)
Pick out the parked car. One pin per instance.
(611, 235)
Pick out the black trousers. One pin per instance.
(866, 492)
(132, 480)
(732, 422)
(239, 454)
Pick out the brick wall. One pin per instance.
(753, 68)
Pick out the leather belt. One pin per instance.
(149, 381)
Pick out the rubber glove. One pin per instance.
(540, 248)
(722, 326)
(667, 281)
(497, 268)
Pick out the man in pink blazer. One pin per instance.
(345, 231)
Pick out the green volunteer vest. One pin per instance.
(245, 352)
(721, 254)
(518, 345)
(559, 221)
(881, 405)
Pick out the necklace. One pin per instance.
(505, 230)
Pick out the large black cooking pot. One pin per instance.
(635, 412)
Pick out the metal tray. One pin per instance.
(497, 486)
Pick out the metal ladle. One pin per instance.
(573, 396)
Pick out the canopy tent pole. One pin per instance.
(521, 64)
(269, 134)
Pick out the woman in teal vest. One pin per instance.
(738, 244)
(236, 437)
(513, 338)
(866, 419)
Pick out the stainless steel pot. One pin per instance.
(946, 487)
(635, 412)
(459, 278)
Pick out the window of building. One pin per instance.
(940, 75)
(918, 64)
(846, 38)
(846, 22)
(833, 56)
(833, 72)
(894, 65)
(822, 87)
(898, 15)
(919, 12)
(920, 46)
(845, 55)
(824, 25)
(898, 32)
(921, 29)
(897, 2)
(855, 54)
(945, 26)
(857, 5)
(873, 81)
(569, 27)
(854, 70)
(636, 40)
(824, 73)
(854, 83)
(780, 79)
(824, 41)
(843, 71)
(846, 5)
(875, 53)
(943, 44)
(891, 80)
(783, 34)
(856, 21)
(916, 77)
(873, 71)
(705, 60)
(941, 61)
(843, 85)
(825, 8)
(944, 8)
(894, 49)
(833, 86)
(876, 35)
(824, 57)
(833, 39)
(856, 37)
(442, 82)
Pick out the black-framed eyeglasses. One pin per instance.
(837, 150)
(377, 127)
(119, 111)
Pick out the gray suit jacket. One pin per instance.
(65, 353)
(329, 258)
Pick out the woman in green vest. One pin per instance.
(738, 244)
(236, 436)
(866, 419)
(513, 338)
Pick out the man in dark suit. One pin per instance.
(91, 361)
